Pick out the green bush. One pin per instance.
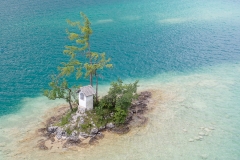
(120, 116)
(68, 130)
(114, 106)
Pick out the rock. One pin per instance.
(58, 136)
(51, 120)
(52, 129)
(129, 116)
(99, 136)
(2, 144)
(121, 130)
(191, 140)
(198, 138)
(81, 110)
(72, 126)
(64, 133)
(93, 141)
(48, 134)
(102, 128)
(74, 133)
(211, 128)
(81, 121)
(42, 130)
(184, 130)
(52, 139)
(83, 134)
(42, 146)
(201, 134)
(142, 105)
(207, 130)
(147, 94)
(74, 139)
(110, 125)
(204, 156)
(140, 111)
(59, 131)
(94, 131)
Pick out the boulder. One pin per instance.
(99, 136)
(52, 129)
(59, 131)
(73, 139)
(94, 131)
(102, 128)
(83, 134)
(110, 125)
(58, 136)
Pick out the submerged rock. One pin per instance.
(72, 141)
(93, 141)
(191, 140)
(99, 136)
(201, 134)
(42, 146)
(121, 130)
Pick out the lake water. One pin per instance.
(188, 52)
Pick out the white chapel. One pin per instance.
(85, 94)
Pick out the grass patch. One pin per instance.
(65, 119)
(69, 131)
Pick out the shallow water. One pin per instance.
(184, 105)
(188, 52)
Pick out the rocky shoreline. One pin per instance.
(57, 137)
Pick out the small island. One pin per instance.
(89, 115)
(82, 130)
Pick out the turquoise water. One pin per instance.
(189, 47)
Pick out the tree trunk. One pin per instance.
(69, 99)
(91, 79)
(91, 74)
(70, 105)
(96, 86)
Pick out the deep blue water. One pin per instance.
(142, 38)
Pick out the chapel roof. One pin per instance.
(87, 90)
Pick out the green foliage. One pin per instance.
(65, 119)
(69, 131)
(72, 66)
(96, 61)
(82, 39)
(87, 125)
(115, 105)
(60, 89)
(120, 116)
